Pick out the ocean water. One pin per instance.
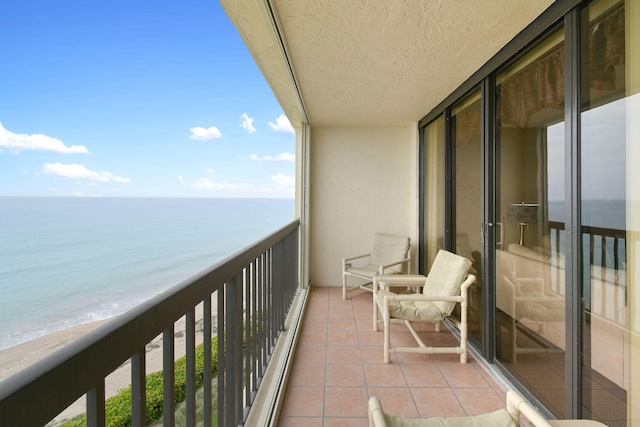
(68, 261)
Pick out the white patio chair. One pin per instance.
(390, 255)
(446, 284)
(506, 417)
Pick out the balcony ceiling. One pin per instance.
(372, 62)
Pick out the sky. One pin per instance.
(135, 98)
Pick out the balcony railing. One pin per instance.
(252, 291)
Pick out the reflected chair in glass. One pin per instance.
(525, 300)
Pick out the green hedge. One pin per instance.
(118, 407)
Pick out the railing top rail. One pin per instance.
(100, 352)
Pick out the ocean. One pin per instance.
(69, 261)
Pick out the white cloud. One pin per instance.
(209, 171)
(283, 180)
(282, 157)
(77, 171)
(202, 134)
(282, 125)
(16, 143)
(180, 179)
(208, 184)
(247, 123)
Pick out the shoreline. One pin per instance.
(17, 358)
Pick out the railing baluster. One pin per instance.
(207, 363)
(248, 341)
(168, 378)
(138, 389)
(238, 343)
(95, 406)
(222, 357)
(191, 367)
(262, 313)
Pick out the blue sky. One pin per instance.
(135, 99)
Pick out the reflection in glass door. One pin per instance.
(530, 291)
(608, 212)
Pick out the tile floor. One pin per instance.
(338, 365)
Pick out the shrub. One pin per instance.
(118, 407)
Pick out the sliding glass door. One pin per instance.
(529, 255)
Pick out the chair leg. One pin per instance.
(344, 286)
(375, 314)
(387, 332)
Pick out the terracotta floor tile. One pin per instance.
(416, 359)
(385, 375)
(308, 375)
(309, 337)
(365, 325)
(345, 422)
(303, 401)
(437, 402)
(375, 356)
(478, 401)
(310, 354)
(462, 375)
(370, 338)
(340, 313)
(341, 325)
(317, 324)
(396, 401)
(300, 421)
(342, 338)
(424, 376)
(344, 354)
(346, 402)
(344, 374)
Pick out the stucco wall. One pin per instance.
(363, 181)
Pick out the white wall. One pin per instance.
(363, 181)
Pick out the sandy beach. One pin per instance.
(15, 359)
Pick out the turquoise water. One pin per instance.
(68, 261)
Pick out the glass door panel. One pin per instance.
(434, 173)
(466, 150)
(609, 216)
(529, 256)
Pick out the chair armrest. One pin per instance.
(403, 280)
(376, 415)
(516, 405)
(384, 267)
(344, 260)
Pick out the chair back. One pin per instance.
(388, 248)
(445, 277)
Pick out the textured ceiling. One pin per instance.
(374, 62)
(377, 62)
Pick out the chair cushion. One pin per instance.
(445, 277)
(499, 418)
(388, 248)
(414, 311)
